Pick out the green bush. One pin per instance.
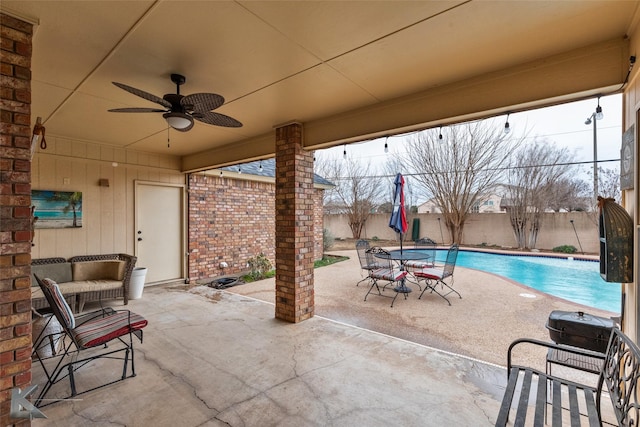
(259, 267)
(567, 249)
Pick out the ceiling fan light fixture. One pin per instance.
(178, 120)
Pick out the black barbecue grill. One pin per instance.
(578, 329)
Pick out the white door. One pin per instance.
(159, 230)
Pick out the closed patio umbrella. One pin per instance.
(398, 220)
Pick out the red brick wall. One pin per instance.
(232, 220)
(15, 202)
(295, 223)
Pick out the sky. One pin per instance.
(563, 125)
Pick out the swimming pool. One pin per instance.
(571, 279)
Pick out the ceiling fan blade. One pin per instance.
(143, 94)
(202, 102)
(217, 119)
(137, 110)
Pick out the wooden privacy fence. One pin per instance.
(484, 228)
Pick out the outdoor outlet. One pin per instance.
(66, 181)
(224, 265)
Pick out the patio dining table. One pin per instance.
(401, 256)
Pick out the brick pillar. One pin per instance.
(294, 226)
(15, 213)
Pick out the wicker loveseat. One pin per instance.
(84, 278)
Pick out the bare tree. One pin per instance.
(356, 190)
(569, 194)
(609, 184)
(537, 178)
(458, 170)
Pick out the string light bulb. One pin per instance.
(260, 166)
(599, 113)
(239, 169)
(386, 145)
(507, 128)
(440, 134)
(344, 153)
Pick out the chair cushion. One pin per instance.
(430, 273)
(58, 272)
(388, 274)
(98, 270)
(104, 329)
(418, 264)
(64, 308)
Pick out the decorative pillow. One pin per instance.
(98, 270)
(60, 272)
(65, 310)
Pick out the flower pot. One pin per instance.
(136, 286)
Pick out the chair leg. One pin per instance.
(72, 380)
(374, 282)
(126, 360)
(366, 278)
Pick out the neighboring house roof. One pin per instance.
(267, 168)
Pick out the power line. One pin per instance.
(587, 162)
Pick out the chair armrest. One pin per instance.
(550, 345)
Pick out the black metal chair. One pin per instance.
(367, 261)
(91, 331)
(427, 246)
(386, 272)
(434, 276)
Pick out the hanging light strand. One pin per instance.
(386, 145)
(507, 128)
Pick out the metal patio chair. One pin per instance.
(85, 339)
(367, 262)
(439, 275)
(387, 272)
(427, 246)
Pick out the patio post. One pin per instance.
(15, 215)
(294, 226)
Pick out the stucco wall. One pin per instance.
(490, 229)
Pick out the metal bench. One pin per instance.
(580, 403)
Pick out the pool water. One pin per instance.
(574, 280)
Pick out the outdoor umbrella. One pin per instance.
(398, 220)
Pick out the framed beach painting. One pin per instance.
(56, 209)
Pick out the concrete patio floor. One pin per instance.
(214, 358)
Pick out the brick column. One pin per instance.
(15, 213)
(294, 226)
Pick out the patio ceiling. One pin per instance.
(347, 70)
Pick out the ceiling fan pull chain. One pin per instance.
(168, 142)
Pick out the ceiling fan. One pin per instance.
(180, 110)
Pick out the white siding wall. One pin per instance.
(107, 212)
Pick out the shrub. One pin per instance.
(567, 249)
(259, 266)
(327, 239)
